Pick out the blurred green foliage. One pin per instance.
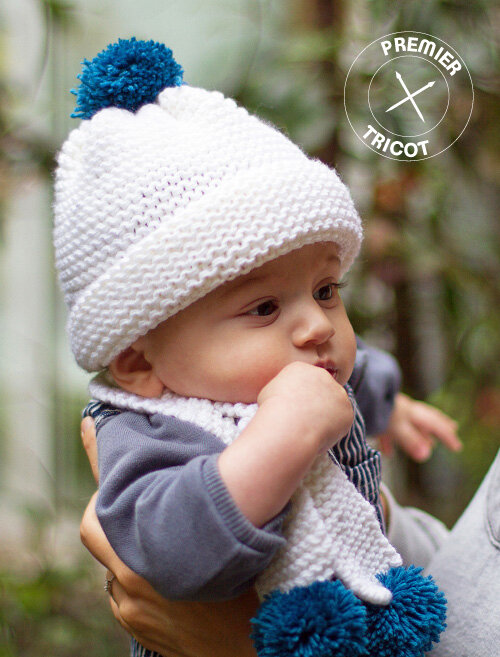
(56, 612)
(426, 287)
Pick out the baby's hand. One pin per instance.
(414, 426)
(312, 398)
(302, 411)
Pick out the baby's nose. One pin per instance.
(313, 326)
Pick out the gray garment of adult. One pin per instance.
(467, 569)
(465, 564)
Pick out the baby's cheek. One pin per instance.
(350, 350)
(345, 341)
(262, 366)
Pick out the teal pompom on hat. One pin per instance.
(127, 74)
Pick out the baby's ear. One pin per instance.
(132, 372)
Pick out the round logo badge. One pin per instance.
(408, 96)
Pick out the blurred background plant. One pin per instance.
(426, 287)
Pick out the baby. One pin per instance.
(201, 255)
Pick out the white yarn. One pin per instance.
(331, 530)
(155, 209)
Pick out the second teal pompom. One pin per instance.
(127, 74)
(413, 621)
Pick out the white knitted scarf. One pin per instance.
(331, 530)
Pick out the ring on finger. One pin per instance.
(109, 582)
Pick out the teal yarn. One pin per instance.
(327, 620)
(127, 74)
(414, 619)
(320, 620)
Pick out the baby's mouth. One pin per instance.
(329, 367)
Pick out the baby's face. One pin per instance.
(228, 345)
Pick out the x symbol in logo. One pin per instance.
(409, 96)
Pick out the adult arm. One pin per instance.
(416, 535)
(171, 628)
(467, 569)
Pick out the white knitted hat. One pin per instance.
(156, 207)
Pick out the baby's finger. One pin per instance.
(87, 430)
(433, 421)
(417, 444)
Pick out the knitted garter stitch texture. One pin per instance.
(331, 531)
(156, 207)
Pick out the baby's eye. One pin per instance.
(263, 309)
(326, 292)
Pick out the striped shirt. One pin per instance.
(360, 462)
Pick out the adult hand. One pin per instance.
(172, 628)
(415, 426)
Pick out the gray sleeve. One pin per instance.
(467, 569)
(375, 380)
(168, 514)
(416, 535)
